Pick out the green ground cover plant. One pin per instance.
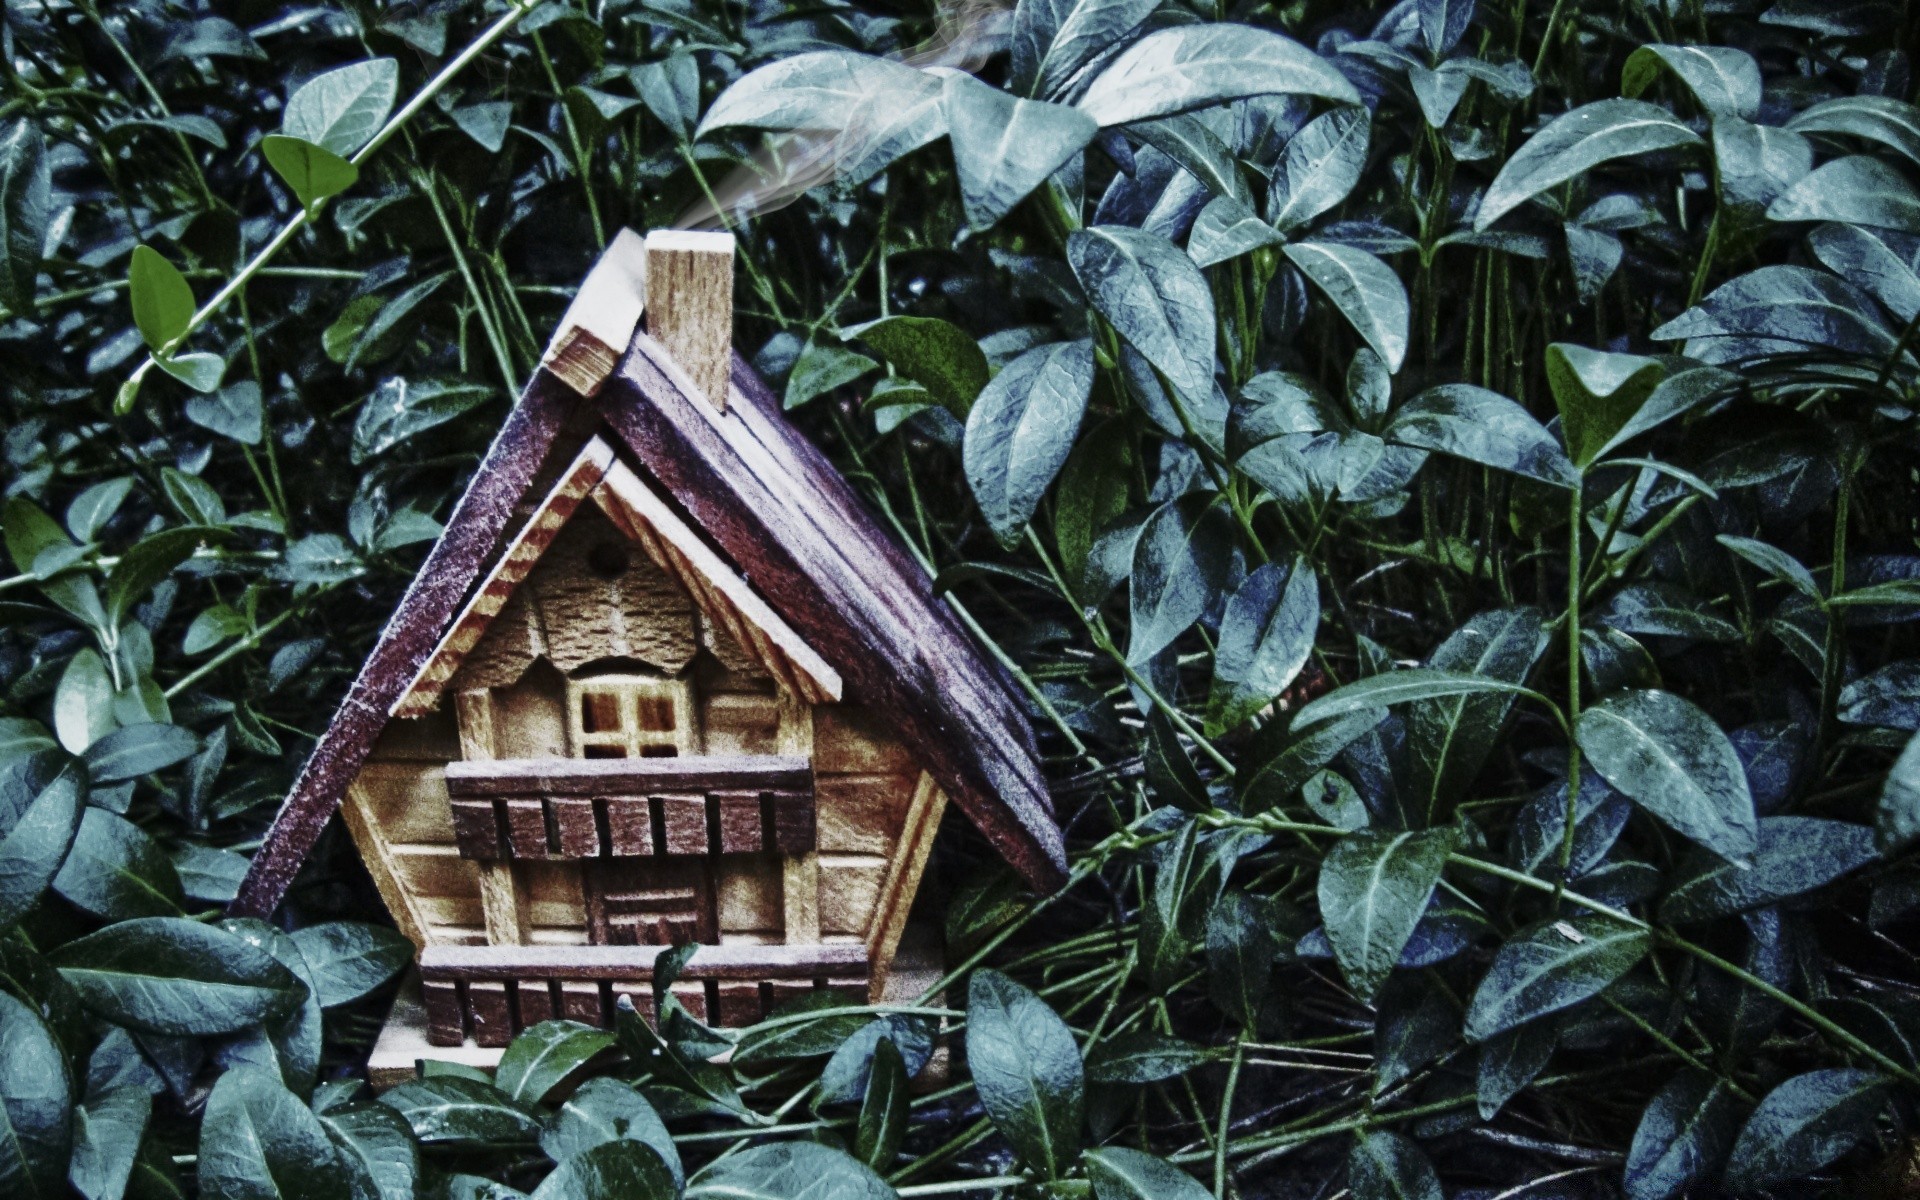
(1442, 477)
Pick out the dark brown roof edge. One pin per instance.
(820, 559)
(472, 535)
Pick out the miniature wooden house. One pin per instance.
(662, 679)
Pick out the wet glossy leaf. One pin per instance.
(1723, 79)
(1179, 565)
(1804, 1124)
(447, 1108)
(782, 1170)
(1575, 142)
(36, 1105)
(107, 1131)
(1553, 965)
(259, 1142)
(1384, 1165)
(1190, 66)
(1365, 290)
(172, 976)
(1155, 297)
(616, 1170)
(1683, 1137)
(1121, 1173)
(116, 871)
(1374, 887)
(26, 205)
(1449, 738)
(1005, 147)
(1027, 1070)
(43, 799)
(341, 110)
(1265, 638)
(1021, 430)
(1856, 190)
(1793, 856)
(882, 1124)
(602, 1110)
(1667, 756)
(377, 1149)
(1322, 164)
(1480, 426)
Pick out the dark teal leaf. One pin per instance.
(1574, 143)
(1484, 427)
(1804, 1124)
(1027, 1070)
(1154, 297)
(341, 110)
(784, 1170)
(172, 976)
(1374, 887)
(1021, 430)
(1793, 856)
(1121, 1173)
(259, 1142)
(1683, 1137)
(117, 872)
(1180, 565)
(1191, 66)
(1667, 756)
(1265, 639)
(36, 1106)
(1551, 966)
(616, 1170)
(1384, 1165)
(1005, 147)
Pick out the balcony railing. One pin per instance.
(545, 808)
(489, 993)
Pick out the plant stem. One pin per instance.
(1576, 511)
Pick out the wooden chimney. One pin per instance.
(689, 308)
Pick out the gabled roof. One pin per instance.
(767, 507)
(644, 517)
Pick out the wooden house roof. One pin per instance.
(756, 504)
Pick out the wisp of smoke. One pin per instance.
(788, 165)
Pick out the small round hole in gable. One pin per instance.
(608, 560)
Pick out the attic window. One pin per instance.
(630, 717)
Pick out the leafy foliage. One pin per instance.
(1439, 475)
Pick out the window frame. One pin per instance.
(630, 739)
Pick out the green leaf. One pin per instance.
(543, 1056)
(1804, 1124)
(349, 959)
(1094, 491)
(1449, 738)
(106, 1140)
(882, 1124)
(33, 537)
(1027, 1071)
(1364, 289)
(26, 206)
(36, 1106)
(1021, 429)
(376, 1148)
(139, 750)
(1241, 945)
(43, 828)
(1509, 1062)
(1480, 426)
(1883, 120)
(784, 1170)
(1004, 147)
(1170, 772)
(1384, 1165)
(1120, 1173)
(1597, 393)
(150, 560)
(791, 1039)
(258, 1142)
(1896, 822)
(1155, 297)
(1191, 142)
(83, 702)
(603, 1110)
(1683, 1137)
(162, 299)
(116, 871)
(1576, 142)
(1722, 78)
(1180, 565)
(670, 88)
(400, 409)
(341, 110)
(1283, 759)
(1873, 259)
(1322, 164)
(168, 975)
(1226, 229)
(1399, 687)
(1793, 856)
(1142, 1057)
(1856, 190)
(1775, 562)
(937, 354)
(315, 173)
(1265, 638)
(1667, 756)
(444, 1109)
(820, 369)
(1550, 966)
(1374, 888)
(617, 1170)
(878, 110)
(1051, 48)
(1192, 66)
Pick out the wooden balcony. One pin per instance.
(544, 808)
(489, 993)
